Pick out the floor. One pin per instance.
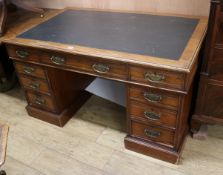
(92, 144)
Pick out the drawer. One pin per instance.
(218, 55)
(154, 77)
(29, 69)
(23, 53)
(158, 135)
(216, 71)
(34, 84)
(41, 101)
(96, 66)
(154, 97)
(213, 100)
(88, 64)
(153, 115)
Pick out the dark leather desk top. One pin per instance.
(151, 35)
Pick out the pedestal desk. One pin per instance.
(155, 55)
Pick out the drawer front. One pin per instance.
(23, 53)
(154, 97)
(34, 84)
(218, 55)
(213, 103)
(94, 66)
(154, 77)
(41, 101)
(216, 65)
(216, 71)
(153, 115)
(31, 70)
(88, 64)
(158, 135)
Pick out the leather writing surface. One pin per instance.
(151, 35)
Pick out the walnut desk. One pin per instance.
(156, 56)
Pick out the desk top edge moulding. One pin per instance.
(156, 56)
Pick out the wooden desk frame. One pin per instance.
(176, 90)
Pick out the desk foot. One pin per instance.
(153, 150)
(62, 118)
(199, 128)
(201, 134)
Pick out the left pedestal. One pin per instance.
(53, 95)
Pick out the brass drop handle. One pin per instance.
(34, 85)
(151, 133)
(154, 77)
(22, 54)
(28, 70)
(151, 97)
(40, 101)
(101, 68)
(152, 115)
(57, 60)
